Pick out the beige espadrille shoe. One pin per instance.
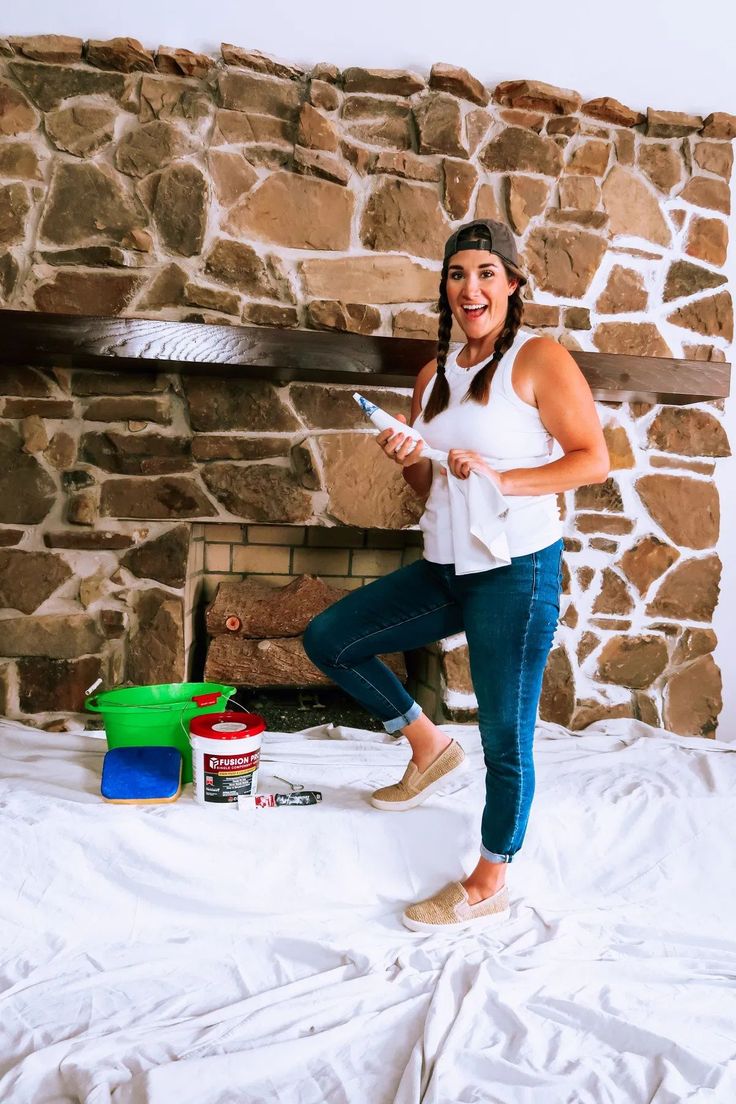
(417, 785)
(450, 910)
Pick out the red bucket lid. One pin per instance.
(249, 724)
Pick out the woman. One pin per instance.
(496, 407)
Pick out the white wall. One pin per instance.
(668, 54)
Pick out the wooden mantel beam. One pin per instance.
(260, 352)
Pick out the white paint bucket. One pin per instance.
(226, 750)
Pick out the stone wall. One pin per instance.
(241, 189)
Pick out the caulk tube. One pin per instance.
(384, 420)
(274, 801)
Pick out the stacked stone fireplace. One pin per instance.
(237, 189)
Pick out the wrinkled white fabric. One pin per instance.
(177, 954)
(478, 513)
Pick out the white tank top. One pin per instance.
(507, 432)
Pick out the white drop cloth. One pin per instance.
(187, 955)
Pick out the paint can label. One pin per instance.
(226, 777)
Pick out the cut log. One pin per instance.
(264, 611)
(279, 662)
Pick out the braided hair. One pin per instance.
(480, 384)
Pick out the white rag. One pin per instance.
(478, 513)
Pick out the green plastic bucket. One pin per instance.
(153, 716)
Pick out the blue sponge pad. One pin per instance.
(141, 774)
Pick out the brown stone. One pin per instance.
(147, 148)
(611, 624)
(27, 492)
(590, 712)
(703, 191)
(166, 290)
(684, 278)
(180, 208)
(689, 592)
(539, 315)
(525, 197)
(14, 208)
(625, 146)
(315, 131)
(563, 261)
(719, 125)
(579, 192)
(323, 95)
(519, 150)
(530, 120)
(46, 408)
(55, 685)
(477, 123)
(49, 85)
(708, 240)
(366, 489)
(587, 644)
(239, 265)
(411, 166)
(537, 96)
(687, 465)
(155, 652)
(563, 124)
(211, 298)
(230, 447)
(261, 492)
(712, 316)
(19, 159)
(576, 318)
(619, 447)
(387, 279)
(486, 205)
(93, 293)
(86, 201)
(694, 643)
(8, 275)
(662, 164)
(35, 438)
(646, 561)
(459, 82)
(589, 159)
(416, 325)
(180, 62)
(459, 179)
(98, 540)
(392, 82)
(686, 509)
(93, 256)
(299, 212)
(126, 55)
(270, 314)
(246, 405)
(133, 454)
(602, 523)
(10, 537)
(693, 699)
(400, 215)
(393, 130)
(16, 114)
(557, 701)
(688, 432)
(247, 127)
(592, 220)
(455, 668)
(671, 124)
(632, 208)
(715, 157)
(270, 612)
(261, 63)
(320, 164)
(360, 158)
(585, 576)
(164, 558)
(27, 579)
(440, 126)
(53, 49)
(599, 496)
(326, 71)
(632, 338)
(120, 409)
(59, 636)
(329, 314)
(320, 406)
(613, 597)
(633, 661)
(611, 111)
(172, 97)
(166, 497)
(570, 617)
(232, 176)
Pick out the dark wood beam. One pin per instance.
(262, 352)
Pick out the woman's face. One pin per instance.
(478, 290)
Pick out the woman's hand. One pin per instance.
(404, 450)
(462, 463)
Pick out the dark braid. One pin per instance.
(481, 382)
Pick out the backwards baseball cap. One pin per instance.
(488, 234)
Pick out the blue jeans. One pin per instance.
(509, 615)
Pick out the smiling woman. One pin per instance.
(496, 407)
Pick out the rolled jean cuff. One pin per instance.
(405, 719)
(492, 856)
